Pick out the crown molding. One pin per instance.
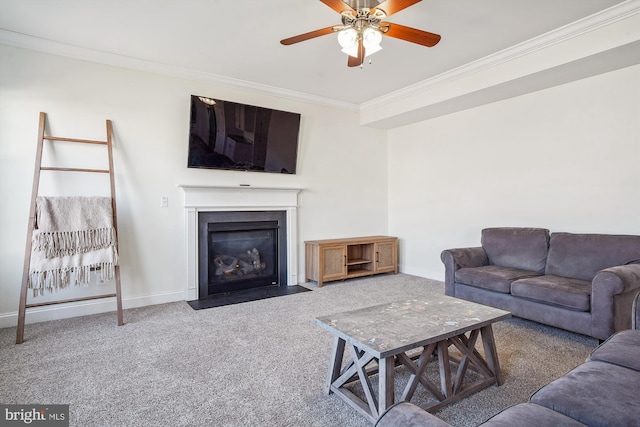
(575, 29)
(25, 41)
(559, 35)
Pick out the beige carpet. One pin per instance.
(260, 363)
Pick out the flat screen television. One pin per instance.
(229, 135)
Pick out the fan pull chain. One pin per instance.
(362, 63)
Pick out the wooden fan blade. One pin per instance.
(307, 36)
(338, 5)
(412, 35)
(356, 62)
(392, 6)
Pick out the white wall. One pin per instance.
(341, 167)
(566, 159)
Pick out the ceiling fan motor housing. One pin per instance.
(363, 18)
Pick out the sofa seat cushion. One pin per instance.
(491, 277)
(408, 415)
(594, 393)
(559, 291)
(621, 349)
(527, 415)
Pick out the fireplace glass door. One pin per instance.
(242, 255)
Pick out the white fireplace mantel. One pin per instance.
(243, 198)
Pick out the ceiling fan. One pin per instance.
(363, 26)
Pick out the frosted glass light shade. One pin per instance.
(351, 51)
(371, 39)
(348, 38)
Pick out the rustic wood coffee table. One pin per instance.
(409, 333)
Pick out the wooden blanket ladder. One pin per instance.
(32, 222)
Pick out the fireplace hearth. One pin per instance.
(241, 250)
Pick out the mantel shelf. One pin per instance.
(186, 188)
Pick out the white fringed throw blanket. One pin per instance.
(73, 235)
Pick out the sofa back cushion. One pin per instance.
(581, 256)
(514, 247)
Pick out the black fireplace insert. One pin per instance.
(241, 250)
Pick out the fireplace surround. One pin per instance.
(237, 203)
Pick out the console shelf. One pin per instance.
(339, 259)
(358, 261)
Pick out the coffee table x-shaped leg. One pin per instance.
(451, 388)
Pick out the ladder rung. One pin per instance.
(47, 168)
(42, 304)
(87, 141)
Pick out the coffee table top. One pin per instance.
(388, 329)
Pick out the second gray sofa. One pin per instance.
(601, 392)
(583, 283)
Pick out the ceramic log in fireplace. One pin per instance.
(241, 250)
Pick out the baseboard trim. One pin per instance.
(64, 311)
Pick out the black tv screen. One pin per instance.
(229, 135)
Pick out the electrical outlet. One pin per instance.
(164, 201)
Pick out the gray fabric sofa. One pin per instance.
(583, 283)
(602, 392)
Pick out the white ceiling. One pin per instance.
(239, 39)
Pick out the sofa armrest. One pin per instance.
(407, 414)
(612, 295)
(455, 259)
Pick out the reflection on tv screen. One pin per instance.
(229, 135)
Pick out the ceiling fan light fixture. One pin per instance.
(351, 51)
(348, 38)
(368, 51)
(371, 39)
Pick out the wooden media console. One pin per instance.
(339, 259)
